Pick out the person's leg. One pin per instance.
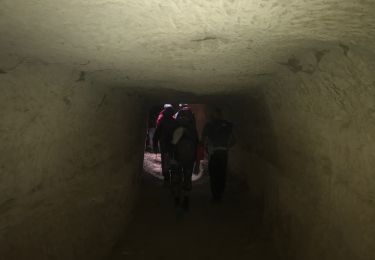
(151, 133)
(213, 172)
(187, 174)
(177, 183)
(217, 170)
(187, 184)
(165, 166)
(222, 162)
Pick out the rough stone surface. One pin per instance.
(69, 156)
(307, 150)
(195, 45)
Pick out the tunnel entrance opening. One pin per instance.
(152, 162)
(162, 229)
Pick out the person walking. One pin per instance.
(165, 126)
(184, 141)
(218, 138)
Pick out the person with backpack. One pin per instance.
(165, 126)
(218, 138)
(182, 106)
(184, 141)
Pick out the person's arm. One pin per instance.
(155, 139)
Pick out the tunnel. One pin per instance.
(295, 77)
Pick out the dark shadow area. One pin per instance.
(232, 229)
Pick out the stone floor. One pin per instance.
(229, 230)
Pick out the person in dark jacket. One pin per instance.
(184, 141)
(218, 138)
(165, 126)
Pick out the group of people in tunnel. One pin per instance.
(177, 138)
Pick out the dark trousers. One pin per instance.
(181, 179)
(165, 165)
(217, 168)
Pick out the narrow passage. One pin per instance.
(229, 230)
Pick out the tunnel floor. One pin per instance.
(229, 230)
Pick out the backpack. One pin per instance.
(185, 117)
(185, 138)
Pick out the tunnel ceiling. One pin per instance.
(197, 45)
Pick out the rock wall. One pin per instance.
(307, 150)
(69, 155)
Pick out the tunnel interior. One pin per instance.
(78, 79)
